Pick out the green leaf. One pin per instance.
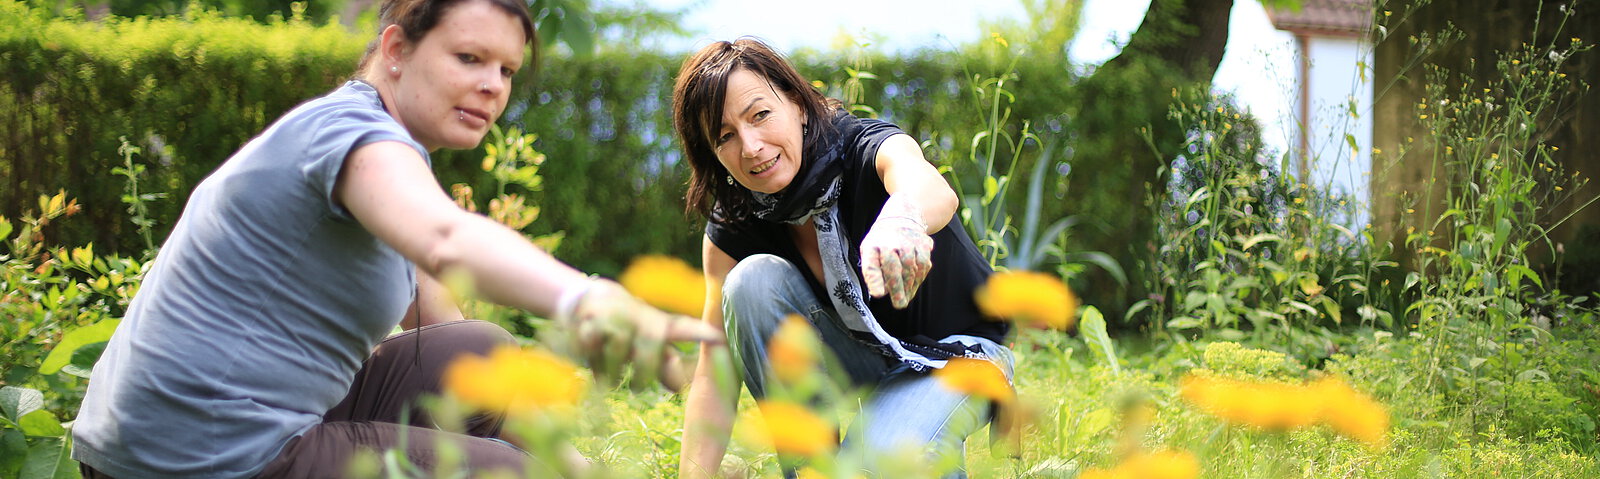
(1183, 322)
(1515, 273)
(13, 449)
(83, 359)
(1260, 238)
(62, 354)
(1093, 329)
(1332, 308)
(5, 228)
(50, 459)
(991, 186)
(16, 402)
(41, 423)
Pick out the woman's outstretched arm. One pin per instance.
(708, 406)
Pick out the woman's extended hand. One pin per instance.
(613, 330)
(895, 253)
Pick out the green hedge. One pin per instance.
(192, 90)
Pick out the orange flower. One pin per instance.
(1164, 464)
(796, 431)
(976, 377)
(1038, 299)
(793, 350)
(667, 283)
(1353, 414)
(514, 380)
(1280, 406)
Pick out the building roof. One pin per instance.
(1342, 18)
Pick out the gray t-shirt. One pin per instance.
(258, 310)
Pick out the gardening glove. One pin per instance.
(895, 252)
(612, 330)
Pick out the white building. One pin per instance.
(1333, 96)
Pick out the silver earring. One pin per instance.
(394, 69)
(730, 179)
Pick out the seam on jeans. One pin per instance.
(946, 422)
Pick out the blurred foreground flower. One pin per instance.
(1036, 299)
(796, 431)
(793, 350)
(517, 381)
(667, 283)
(976, 377)
(1165, 464)
(1281, 406)
(1351, 413)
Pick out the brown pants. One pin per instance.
(385, 390)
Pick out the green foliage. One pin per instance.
(1231, 359)
(186, 91)
(1243, 246)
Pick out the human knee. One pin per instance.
(472, 335)
(755, 283)
(758, 276)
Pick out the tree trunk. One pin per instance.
(1178, 46)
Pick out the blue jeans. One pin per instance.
(907, 409)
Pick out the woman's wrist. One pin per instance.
(567, 302)
(900, 209)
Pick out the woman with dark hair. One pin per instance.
(256, 345)
(838, 219)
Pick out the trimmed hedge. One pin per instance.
(191, 91)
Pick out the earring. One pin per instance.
(483, 87)
(730, 179)
(394, 69)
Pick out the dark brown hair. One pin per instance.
(417, 17)
(697, 100)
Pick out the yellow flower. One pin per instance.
(793, 351)
(796, 431)
(514, 380)
(667, 283)
(1038, 299)
(976, 377)
(1271, 406)
(1164, 464)
(1351, 413)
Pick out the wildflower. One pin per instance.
(1000, 39)
(514, 380)
(1558, 188)
(1164, 464)
(667, 283)
(796, 431)
(793, 350)
(1377, 151)
(1351, 413)
(1422, 117)
(1411, 210)
(1039, 299)
(976, 377)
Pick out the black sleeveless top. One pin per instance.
(943, 305)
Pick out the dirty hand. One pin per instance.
(611, 330)
(895, 252)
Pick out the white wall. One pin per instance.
(1340, 105)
